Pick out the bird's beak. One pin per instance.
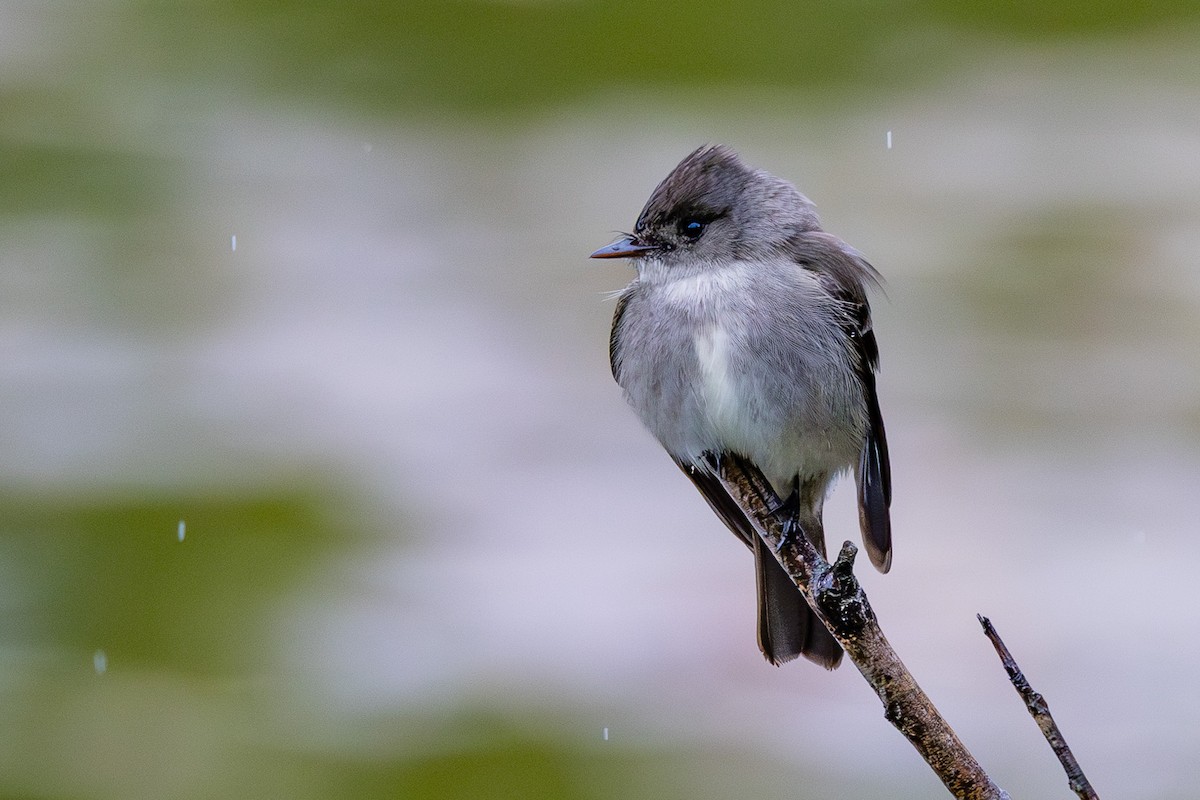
(625, 247)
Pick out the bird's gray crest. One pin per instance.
(708, 180)
(713, 183)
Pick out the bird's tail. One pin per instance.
(787, 627)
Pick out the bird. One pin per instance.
(747, 332)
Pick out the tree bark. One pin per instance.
(836, 596)
(1039, 709)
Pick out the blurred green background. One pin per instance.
(306, 283)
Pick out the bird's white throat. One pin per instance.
(700, 287)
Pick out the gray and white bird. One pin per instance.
(747, 331)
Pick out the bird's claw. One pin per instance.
(788, 513)
(788, 533)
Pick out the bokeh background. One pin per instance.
(314, 482)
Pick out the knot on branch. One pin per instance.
(839, 596)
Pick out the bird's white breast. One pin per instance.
(718, 386)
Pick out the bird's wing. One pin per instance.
(614, 349)
(874, 471)
(846, 274)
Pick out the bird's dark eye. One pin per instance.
(691, 229)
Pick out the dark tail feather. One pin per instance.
(787, 627)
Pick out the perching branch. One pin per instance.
(834, 593)
(1039, 709)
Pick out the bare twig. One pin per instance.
(1039, 709)
(837, 598)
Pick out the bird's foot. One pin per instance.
(787, 511)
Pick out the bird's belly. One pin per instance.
(784, 423)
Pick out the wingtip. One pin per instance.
(877, 537)
(874, 516)
(882, 561)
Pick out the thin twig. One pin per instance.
(834, 593)
(1039, 709)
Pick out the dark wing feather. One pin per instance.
(614, 355)
(846, 274)
(874, 473)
